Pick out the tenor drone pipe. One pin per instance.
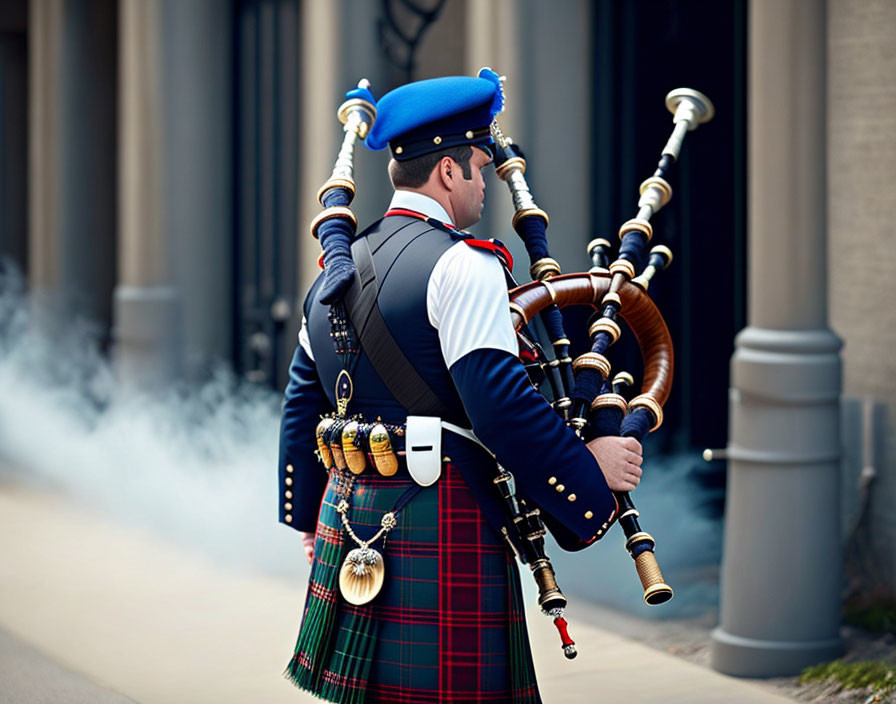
(530, 223)
(690, 108)
(336, 224)
(616, 292)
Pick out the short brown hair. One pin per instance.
(413, 173)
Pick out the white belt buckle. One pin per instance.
(423, 448)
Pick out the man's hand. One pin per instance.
(619, 459)
(308, 544)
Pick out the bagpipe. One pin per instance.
(582, 390)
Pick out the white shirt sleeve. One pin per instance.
(304, 340)
(467, 302)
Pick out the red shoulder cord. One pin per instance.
(493, 246)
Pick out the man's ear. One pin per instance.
(447, 172)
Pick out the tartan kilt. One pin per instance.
(449, 624)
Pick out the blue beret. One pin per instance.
(439, 113)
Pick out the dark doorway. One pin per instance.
(642, 50)
(266, 138)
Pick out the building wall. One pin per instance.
(862, 255)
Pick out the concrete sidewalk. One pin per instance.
(91, 606)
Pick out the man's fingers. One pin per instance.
(632, 445)
(634, 458)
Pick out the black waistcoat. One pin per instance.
(405, 250)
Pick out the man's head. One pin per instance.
(439, 136)
(453, 177)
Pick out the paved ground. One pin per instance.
(93, 612)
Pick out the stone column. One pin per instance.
(44, 50)
(532, 43)
(146, 300)
(781, 570)
(72, 153)
(321, 94)
(339, 47)
(493, 40)
(172, 303)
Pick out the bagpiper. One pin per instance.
(405, 390)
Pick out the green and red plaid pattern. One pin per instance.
(449, 625)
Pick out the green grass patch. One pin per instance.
(854, 675)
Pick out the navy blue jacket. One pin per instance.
(487, 389)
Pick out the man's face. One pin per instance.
(468, 198)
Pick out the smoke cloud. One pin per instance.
(197, 464)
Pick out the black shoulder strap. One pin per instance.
(386, 357)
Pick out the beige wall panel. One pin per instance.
(862, 210)
(442, 48)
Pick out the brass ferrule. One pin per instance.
(597, 242)
(656, 591)
(560, 342)
(528, 213)
(624, 267)
(518, 309)
(650, 403)
(578, 424)
(592, 360)
(624, 378)
(611, 297)
(655, 192)
(665, 252)
(551, 290)
(643, 280)
(607, 325)
(609, 400)
(637, 225)
(545, 268)
(335, 211)
(332, 182)
(639, 537)
(515, 163)
(363, 112)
